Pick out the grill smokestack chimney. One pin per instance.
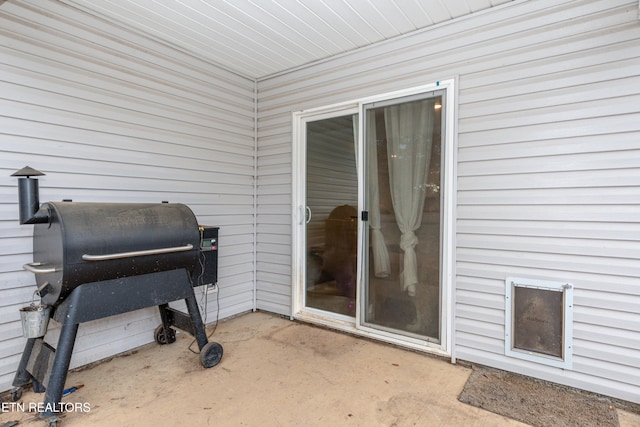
(29, 197)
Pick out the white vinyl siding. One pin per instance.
(548, 169)
(548, 175)
(112, 116)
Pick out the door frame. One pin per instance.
(298, 215)
(298, 273)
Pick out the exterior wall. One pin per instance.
(548, 167)
(111, 116)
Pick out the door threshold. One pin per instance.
(348, 325)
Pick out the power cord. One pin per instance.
(202, 259)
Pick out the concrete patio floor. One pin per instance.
(275, 372)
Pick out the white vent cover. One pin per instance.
(539, 321)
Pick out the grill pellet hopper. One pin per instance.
(94, 260)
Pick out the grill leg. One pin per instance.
(61, 362)
(33, 365)
(164, 334)
(23, 377)
(198, 327)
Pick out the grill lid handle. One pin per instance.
(118, 255)
(39, 268)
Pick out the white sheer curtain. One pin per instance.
(354, 124)
(381, 263)
(409, 136)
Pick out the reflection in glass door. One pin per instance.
(403, 145)
(331, 215)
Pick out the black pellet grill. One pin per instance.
(94, 260)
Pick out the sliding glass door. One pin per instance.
(373, 225)
(331, 215)
(403, 187)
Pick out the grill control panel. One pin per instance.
(209, 244)
(206, 272)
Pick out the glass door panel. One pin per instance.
(403, 146)
(331, 215)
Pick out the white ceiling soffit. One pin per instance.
(258, 38)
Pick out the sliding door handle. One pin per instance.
(307, 211)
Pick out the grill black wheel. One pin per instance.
(211, 354)
(16, 394)
(161, 338)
